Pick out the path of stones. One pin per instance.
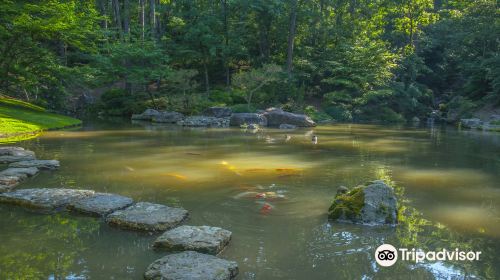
(198, 245)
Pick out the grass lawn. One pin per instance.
(20, 120)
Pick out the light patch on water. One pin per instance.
(439, 178)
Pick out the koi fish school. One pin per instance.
(443, 255)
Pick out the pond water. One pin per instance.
(449, 178)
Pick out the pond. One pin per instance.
(449, 178)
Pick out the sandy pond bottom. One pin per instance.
(450, 179)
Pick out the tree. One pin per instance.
(253, 80)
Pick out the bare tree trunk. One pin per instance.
(126, 17)
(118, 21)
(152, 17)
(291, 38)
(141, 17)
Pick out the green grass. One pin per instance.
(20, 120)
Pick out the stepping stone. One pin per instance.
(100, 204)
(191, 265)
(44, 199)
(15, 151)
(11, 159)
(203, 239)
(7, 183)
(19, 172)
(38, 163)
(148, 216)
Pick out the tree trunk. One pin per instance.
(207, 82)
(118, 21)
(152, 17)
(291, 38)
(226, 43)
(141, 17)
(126, 17)
(102, 12)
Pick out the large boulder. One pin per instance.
(375, 204)
(147, 115)
(167, 117)
(276, 117)
(44, 199)
(203, 239)
(148, 217)
(100, 204)
(218, 112)
(203, 121)
(9, 154)
(471, 123)
(238, 119)
(40, 164)
(191, 265)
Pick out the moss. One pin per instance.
(347, 206)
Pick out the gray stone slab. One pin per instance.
(100, 204)
(14, 151)
(191, 265)
(7, 183)
(203, 239)
(50, 164)
(148, 216)
(19, 172)
(44, 198)
(11, 159)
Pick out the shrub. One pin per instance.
(243, 108)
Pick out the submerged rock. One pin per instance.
(239, 119)
(148, 216)
(44, 199)
(203, 239)
(8, 182)
(100, 204)
(41, 164)
(191, 265)
(218, 112)
(202, 121)
(276, 117)
(167, 117)
(375, 204)
(147, 115)
(21, 172)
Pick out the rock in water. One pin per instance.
(100, 204)
(203, 121)
(287, 126)
(239, 119)
(20, 172)
(8, 182)
(167, 117)
(375, 204)
(191, 265)
(276, 117)
(203, 239)
(147, 115)
(148, 216)
(44, 199)
(218, 112)
(41, 164)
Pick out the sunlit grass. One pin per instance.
(21, 121)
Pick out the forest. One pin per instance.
(341, 60)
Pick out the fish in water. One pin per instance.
(287, 137)
(266, 208)
(177, 176)
(245, 194)
(270, 195)
(314, 139)
(129, 168)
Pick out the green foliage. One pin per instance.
(118, 102)
(243, 108)
(315, 114)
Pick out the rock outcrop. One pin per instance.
(148, 216)
(147, 115)
(238, 119)
(191, 265)
(167, 117)
(218, 112)
(375, 204)
(276, 117)
(203, 239)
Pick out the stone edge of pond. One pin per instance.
(116, 210)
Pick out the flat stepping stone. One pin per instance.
(11, 159)
(15, 151)
(44, 199)
(203, 239)
(100, 204)
(191, 265)
(19, 172)
(148, 216)
(7, 183)
(50, 164)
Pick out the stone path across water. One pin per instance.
(121, 211)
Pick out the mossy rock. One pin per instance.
(373, 204)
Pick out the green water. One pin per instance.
(449, 177)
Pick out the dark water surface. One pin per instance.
(450, 180)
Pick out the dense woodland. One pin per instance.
(346, 60)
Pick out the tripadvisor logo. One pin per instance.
(387, 255)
